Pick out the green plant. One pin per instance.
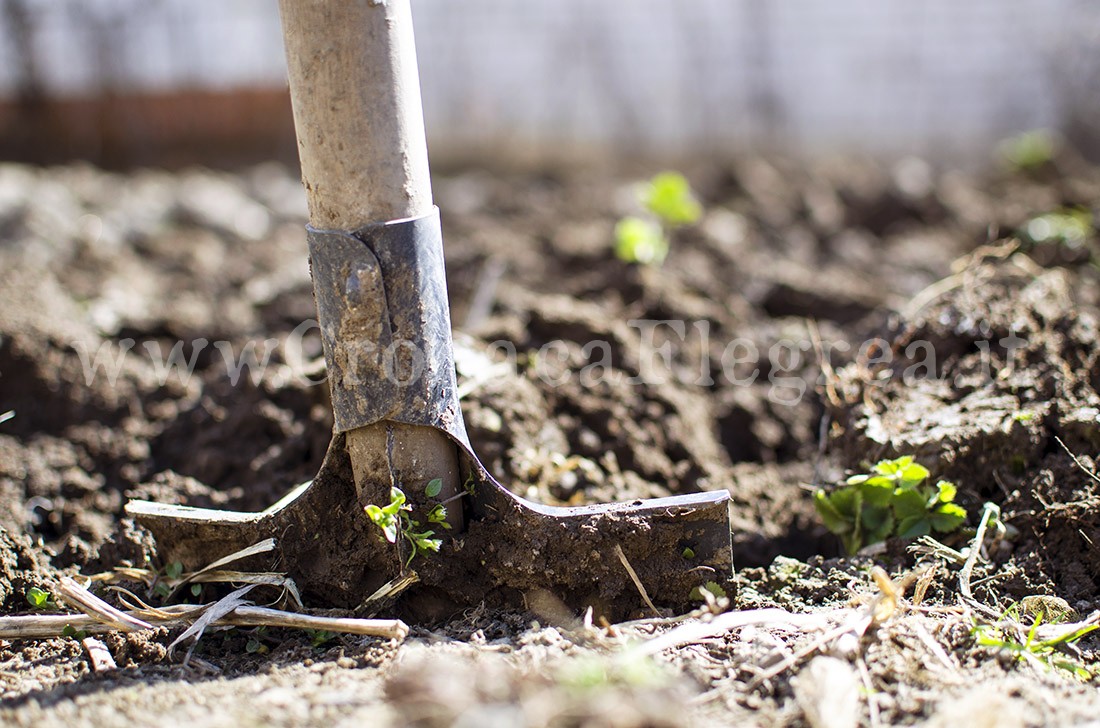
(395, 520)
(1029, 150)
(713, 587)
(1046, 652)
(669, 203)
(39, 598)
(172, 573)
(1069, 226)
(891, 500)
(640, 241)
(318, 637)
(70, 631)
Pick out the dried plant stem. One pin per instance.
(53, 625)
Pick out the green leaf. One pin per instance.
(947, 517)
(874, 518)
(397, 502)
(912, 474)
(914, 526)
(438, 514)
(910, 503)
(877, 493)
(434, 487)
(640, 241)
(196, 589)
(688, 553)
(70, 631)
(711, 586)
(38, 598)
(833, 519)
(385, 521)
(892, 467)
(668, 196)
(847, 502)
(428, 544)
(946, 491)
(174, 570)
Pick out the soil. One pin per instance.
(803, 263)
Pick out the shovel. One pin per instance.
(401, 497)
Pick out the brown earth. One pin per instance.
(795, 261)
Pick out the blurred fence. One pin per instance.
(127, 81)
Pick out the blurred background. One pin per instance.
(172, 82)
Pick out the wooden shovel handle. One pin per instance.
(355, 91)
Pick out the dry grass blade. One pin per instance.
(267, 578)
(634, 578)
(268, 544)
(80, 598)
(211, 614)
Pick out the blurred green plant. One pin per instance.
(669, 203)
(1029, 150)
(1047, 652)
(1071, 227)
(891, 500)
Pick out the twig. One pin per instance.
(634, 577)
(989, 511)
(48, 626)
(265, 616)
(7, 416)
(98, 655)
(1077, 461)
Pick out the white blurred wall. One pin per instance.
(933, 77)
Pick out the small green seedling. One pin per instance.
(892, 500)
(255, 646)
(318, 637)
(172, 573)
(394, 519)
(1070, 227)
(669, 204)
(39, 598)
(638, 240)
(1047, 653)
(1028, 151)
(70, 631)
(711, 587)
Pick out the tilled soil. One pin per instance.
(832, 273)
